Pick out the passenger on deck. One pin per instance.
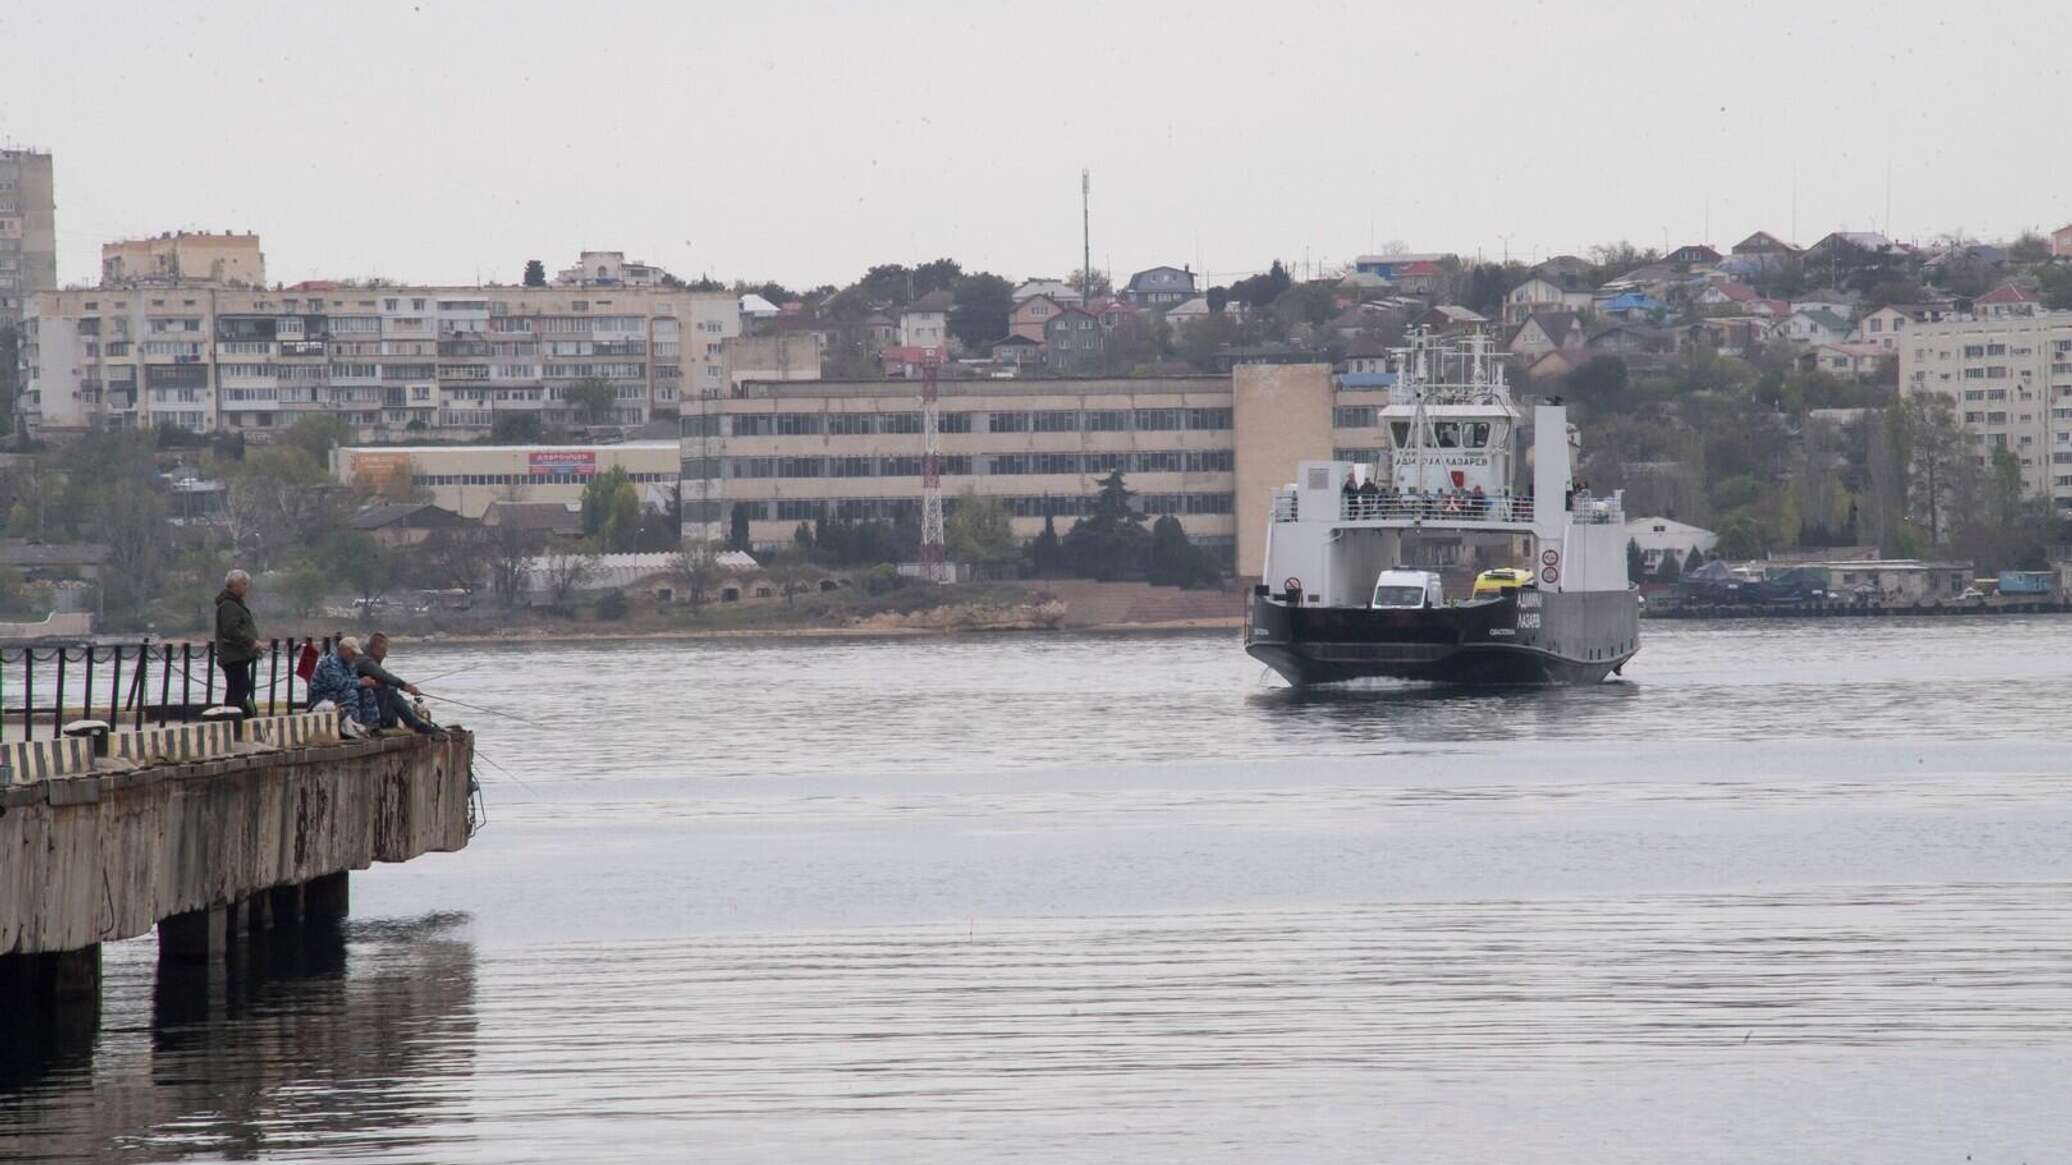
(1480, 504)
(1349, 495)
(1370, 499)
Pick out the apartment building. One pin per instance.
(791, 452)
(2010, 380)
(28, 230)
(467, 479)
(391, 361)
(175, 257)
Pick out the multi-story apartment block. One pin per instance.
(28, 230)
(388, 360)
(1196, 447)
(198, 258)
(2010, 382)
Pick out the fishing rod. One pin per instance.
(480, 708)
(444, 674)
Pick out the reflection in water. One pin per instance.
(325, 1035)
(1427, 713)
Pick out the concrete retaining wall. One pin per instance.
(118, 851)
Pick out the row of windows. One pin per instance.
(432, 479)
(959, 465)
(1037, 506)
(1165, 420)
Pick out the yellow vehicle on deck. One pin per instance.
(1491, 584)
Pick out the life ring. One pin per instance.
(1293, 584)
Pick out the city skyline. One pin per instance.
(761, 152)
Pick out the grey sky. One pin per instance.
(448, 142)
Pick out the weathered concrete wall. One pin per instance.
(91, 859)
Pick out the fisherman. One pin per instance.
(237, 642)
(387, 690)
(336, 680)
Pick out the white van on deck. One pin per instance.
(1407, 590)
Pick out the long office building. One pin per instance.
(28, 230)
(1207, 449)
(394, 362)
(469, 478)
(2010, 383)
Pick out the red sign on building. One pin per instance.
(562, 462)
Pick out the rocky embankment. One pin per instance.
(1037, 616)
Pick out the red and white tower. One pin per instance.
(935, 565)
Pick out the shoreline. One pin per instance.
(478, 638)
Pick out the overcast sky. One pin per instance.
(449, 142)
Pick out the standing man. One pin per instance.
(237, 641)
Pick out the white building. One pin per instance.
(1660, 537)
(2010, 381)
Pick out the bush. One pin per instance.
(613, 605)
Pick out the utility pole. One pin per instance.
(934, 560)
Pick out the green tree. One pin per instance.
(1046, 554)
(304, 589)
(1693, 560)
(1261, 290)
(978, 530)
(1094, 285)
(1742, 537)
(1671, 568)
(983, 301)
(1111, 542)
(516, 428)
(737, 528)
(1175, 560)
(611, 511)
(590, 400)
(535, 273)
(1935, 448)
(362, 565)
(1636, 562)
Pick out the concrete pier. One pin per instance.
(208, 851)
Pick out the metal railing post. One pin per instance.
(186, 675)
(273, 677)
(208, 675)
(57, 713)
(115, 688)
(88, 703)
(165, 686)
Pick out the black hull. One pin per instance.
(1524, 638)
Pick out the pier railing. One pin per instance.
(134, 683)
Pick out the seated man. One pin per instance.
(384, 690)
(335, 679)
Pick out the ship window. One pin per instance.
(1477, 433)
(1399, 432)
(1446, 434)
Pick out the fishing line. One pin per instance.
(480, 708)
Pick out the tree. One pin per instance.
(516, 428)
(983, 301)
(1175, 560)
(1935, 447)
(563, 571)
(1094, 285)
(1046, 554)
(362, 564)
(277, 502)
(1671, 567)
(737, 528)
(1260, 290)
(304, 589)
(696, 567)
(535, 273)
(590, 400)
(978, 530)
(1217, 297)
(455, 559)
(1742, 537)
(611, 511)
(1636, 562)
(1693, 560)
(510, 551)
(1111, 542)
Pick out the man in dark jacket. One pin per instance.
(237, 641)
(388, 690)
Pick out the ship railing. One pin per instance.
(1586, 510)
(1432, 508)
(1284, 508)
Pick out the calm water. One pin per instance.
(1791, 892)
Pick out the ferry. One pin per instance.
(1357, 554)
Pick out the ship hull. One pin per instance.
(1524, 638)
